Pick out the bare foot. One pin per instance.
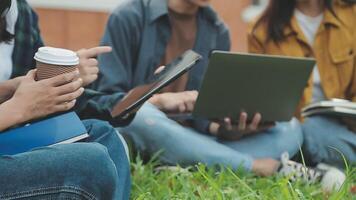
(265, 167)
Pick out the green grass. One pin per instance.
(208, 184)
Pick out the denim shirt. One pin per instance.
(139, 31)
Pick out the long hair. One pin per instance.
(278, 15)
(5, 36)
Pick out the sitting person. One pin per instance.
(147, 34)
(22, 36)
(325, 30)
(96, 169)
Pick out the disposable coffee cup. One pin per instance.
(51, 62)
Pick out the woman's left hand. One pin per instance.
(228, 130)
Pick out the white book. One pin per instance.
(334, 107)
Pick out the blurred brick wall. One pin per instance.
(71, 29)
(79, 29)
(230, 12)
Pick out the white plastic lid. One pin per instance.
(56, 56)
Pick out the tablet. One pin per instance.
(139, 95)
(252, 83)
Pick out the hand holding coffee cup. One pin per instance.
(56, 65)
(51, 62)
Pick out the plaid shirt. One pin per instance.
(27, 42)
(27, 39)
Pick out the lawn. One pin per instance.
(201, 183)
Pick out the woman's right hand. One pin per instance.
(35, 99)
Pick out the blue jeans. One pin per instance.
(95, 169)
(322, 136)
(151, 131)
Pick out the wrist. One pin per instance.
(17, 111)
(11, 113)
(8, 89)
(14, 84)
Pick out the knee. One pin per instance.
(94, 161)
(289, 137)
(149, 118)
(291, 131)
(97, 127)
(95, 169)
(320, 131)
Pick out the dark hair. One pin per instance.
(278, 16)
(5, 36)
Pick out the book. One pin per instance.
(62, 129)
(334, 107)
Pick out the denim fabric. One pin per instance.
(326, 140)
(98, 169)
(151, 131)
(139, 31)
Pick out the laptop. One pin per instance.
(252, 83)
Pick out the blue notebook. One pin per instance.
(62, 129)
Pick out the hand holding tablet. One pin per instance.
(139, 95)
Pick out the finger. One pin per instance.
(62, 79)
(189, 106)
(31, 74)
(228, 124)
(94, 52)
(89, 70)
(91, 62)
(192, 94)
(70, 97)
(93, 70)
(255, 122)
(182, 108)
(69, 87)
(159, 69)
(65, 106)
(89, 79)
(242, 121)
(193, 97)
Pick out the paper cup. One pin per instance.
(51, 62)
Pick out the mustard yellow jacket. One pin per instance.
(334, 49)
